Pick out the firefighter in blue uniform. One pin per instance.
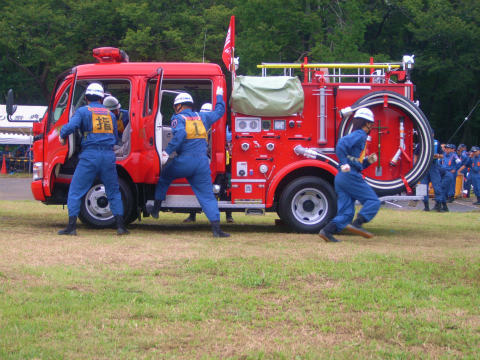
(349, 183)
(122, 116)
(467, 185)
(192, 217)
(449, 164)
(190, 143)
(458, 167)
(434, 175)
(463, 168)
(99, 134)
(474, 164)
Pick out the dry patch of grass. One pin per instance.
(170, 290)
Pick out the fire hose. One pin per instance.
(420, 123)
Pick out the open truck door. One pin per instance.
(152, 117)
(59, 113)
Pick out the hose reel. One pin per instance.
(424, 140)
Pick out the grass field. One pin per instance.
(170, 290)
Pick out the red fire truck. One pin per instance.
(281, 158)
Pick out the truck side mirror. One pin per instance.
(10, 107)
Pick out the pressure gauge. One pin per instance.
(279, 125)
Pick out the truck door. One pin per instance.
(59, 112)
(152, 116)
(163, 130)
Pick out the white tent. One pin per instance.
(27, 114)
(15, 139)
(19, 133)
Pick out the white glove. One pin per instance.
(164, 158)
(345, 168)
(372, 158)
(219, 90)
(62, 140)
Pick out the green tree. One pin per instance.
(445, 38)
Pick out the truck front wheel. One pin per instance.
(307, 204)
(95, 210)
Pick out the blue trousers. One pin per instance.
(196, 169)
(467, 182)
(453, 185)
(94, 162)
(350, 187)
(475, 177)
(433, 176)
(447, 181)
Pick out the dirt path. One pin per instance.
(14, 188)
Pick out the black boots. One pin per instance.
(427, 206)
(191, 218)
(71, 228)
(327, 232)
(121, 230)
(216, 230)
(477, 202)
(229, 218)
(153, 210)
(438, 207)
(356, 227)
(444, 207)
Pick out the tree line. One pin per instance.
(41, 38)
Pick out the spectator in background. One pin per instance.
(434, 176)
(449, 164)
(474, 164)
(464, 157)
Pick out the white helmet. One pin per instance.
(111, 103)
(95, 89)
(364, 113)
(206, 107)
(183, 98)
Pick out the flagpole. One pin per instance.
(232, 44)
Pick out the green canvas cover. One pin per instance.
(267, 96)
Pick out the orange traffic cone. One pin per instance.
(4, 166)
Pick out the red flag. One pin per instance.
(227, 54)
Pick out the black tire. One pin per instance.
(425, 138)
(307, 204)
(94, 209)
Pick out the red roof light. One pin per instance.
(110, 55)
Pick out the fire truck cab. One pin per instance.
(276, 162)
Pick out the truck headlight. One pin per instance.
(37, 171)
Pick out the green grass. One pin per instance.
(171, 291)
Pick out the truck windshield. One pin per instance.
(200, 90)
(118, 88)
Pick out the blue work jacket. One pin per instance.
(186, 142)
(350, 147)
(96, 123)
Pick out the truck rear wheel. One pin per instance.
(307, 204)
(95, 210)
